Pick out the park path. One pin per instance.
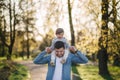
(38, 72)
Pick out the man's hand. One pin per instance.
(48, 50)
(73, 49)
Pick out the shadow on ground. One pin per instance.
(75, 75)
(107, 77)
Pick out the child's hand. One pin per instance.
(73, 49)
(48, 50)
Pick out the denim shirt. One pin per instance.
(43, 58)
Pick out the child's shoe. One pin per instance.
(52, 63)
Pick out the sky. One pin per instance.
(81, 18)
(64, 23)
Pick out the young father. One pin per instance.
(60, 71)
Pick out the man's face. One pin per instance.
(59, 52)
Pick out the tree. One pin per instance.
(12, 24)
(47, 40)
(103, 40)
(2, 28)
(28, 20)
(2, 33)
(71, 24)
(114, 39)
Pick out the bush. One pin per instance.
(10, 70)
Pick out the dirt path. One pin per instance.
(37, 72)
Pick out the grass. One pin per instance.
(16, 59)
(10, 70)
(90, 72)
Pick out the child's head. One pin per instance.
(59, 32)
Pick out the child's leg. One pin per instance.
(52, 57)
(65, 56)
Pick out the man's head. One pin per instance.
(59, 32)
(59, 48)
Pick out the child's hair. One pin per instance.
(59, 30)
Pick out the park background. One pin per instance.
(28, 26)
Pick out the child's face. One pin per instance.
(60, 35)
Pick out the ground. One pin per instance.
(37, 72)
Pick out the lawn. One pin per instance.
(90, 72)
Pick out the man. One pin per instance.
(60, 71)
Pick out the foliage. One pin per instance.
(34, 54)
(52, 14)
(8, 23)
(114, 32)
(87, 43)
(15, 14)
(3, 50)
(20, 48)
(10, 70)
(47, 40)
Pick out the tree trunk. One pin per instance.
(103, 57)
(12, 30)
(27, 30)
(10, 53)
(71, 25)
(103, 41)
(3, 50)
(28, 51)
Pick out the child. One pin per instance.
(59, 37)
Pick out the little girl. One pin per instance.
(59, 37)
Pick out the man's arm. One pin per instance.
(41, 58)
(78, 57)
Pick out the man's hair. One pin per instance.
(59, 30)
(59, 44)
